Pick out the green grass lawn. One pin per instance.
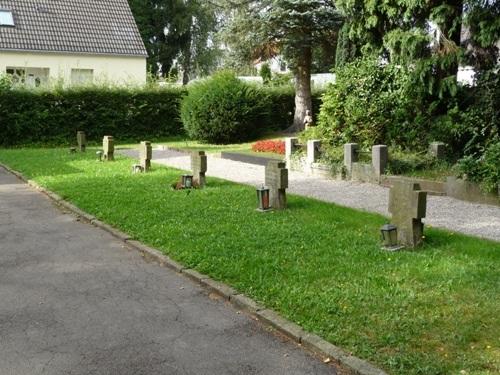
(431, 311)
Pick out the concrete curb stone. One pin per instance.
(246, 304)
(71, 207)
(281, 324)
(240, 301)
(108, 228)
(194, 275)
(220, 288)
(154, 255)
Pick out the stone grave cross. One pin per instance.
(82, 141)
(145, 155)
(277, 181)
(108, 147)
(407, 204)
(199, 167)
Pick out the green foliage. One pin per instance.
(174, 30)
(223, 109)
(429, 312)
(280, 105)
(5, 82)
(479, 132)
(265, 73)
(373, 103)
(54, 117)
(483, 168)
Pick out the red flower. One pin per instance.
(277, 147)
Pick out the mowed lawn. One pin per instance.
(431, 311)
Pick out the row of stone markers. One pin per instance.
(407, 202)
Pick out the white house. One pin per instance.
(76, 41)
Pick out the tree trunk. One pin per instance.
(303, 101)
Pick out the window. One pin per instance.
(82, 76)
(29, 76)
(6, 18)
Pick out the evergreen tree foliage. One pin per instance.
(178, 32)
(291, 28)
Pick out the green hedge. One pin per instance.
(54, 117)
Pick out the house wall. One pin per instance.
(113, 69)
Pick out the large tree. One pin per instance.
(431, 36)
(177, 33)
(291, 28)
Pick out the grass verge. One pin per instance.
(432, 311)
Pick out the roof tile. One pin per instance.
(73, 26)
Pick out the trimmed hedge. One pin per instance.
(54, 117)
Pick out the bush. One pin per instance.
(483, 169)
(54, 117)
(372, 103)
(223, 109)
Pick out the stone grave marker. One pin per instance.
(407, 204)
(380, 158)
(145, 155)
(108, 147)
(199, 167)
(438, 150)
(277, 181)
(350, 155)
(81, 140)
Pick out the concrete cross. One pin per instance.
(82, 141)
(108, 147)
(199, 167)
(407, 204)
(277, 181)
(145, 155)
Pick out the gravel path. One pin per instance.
(470, 218)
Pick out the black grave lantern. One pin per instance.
(187, 181)
(99, 155)
(263, 198)
(389, 234)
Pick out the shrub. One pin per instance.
(277, 147)
(483, 169)
(223, 109)
(53, 117)
(372, 103)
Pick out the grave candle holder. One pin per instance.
(187, 181)
(263, 199)
(137, 168)
(389, 233)
(99, 155)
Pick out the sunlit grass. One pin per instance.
(431, 311)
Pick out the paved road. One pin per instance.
(74, 300)
(470, 218)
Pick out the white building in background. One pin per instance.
(73, 41)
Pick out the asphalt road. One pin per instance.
(75, 300)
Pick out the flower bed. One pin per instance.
(277, 147)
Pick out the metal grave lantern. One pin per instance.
(72, 150)
(187, 181)
(99, 155)
(389, 234)
(263, 198)
(137, 168)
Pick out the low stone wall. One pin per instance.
(374, 172)
(468, 191)
(432, 187)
